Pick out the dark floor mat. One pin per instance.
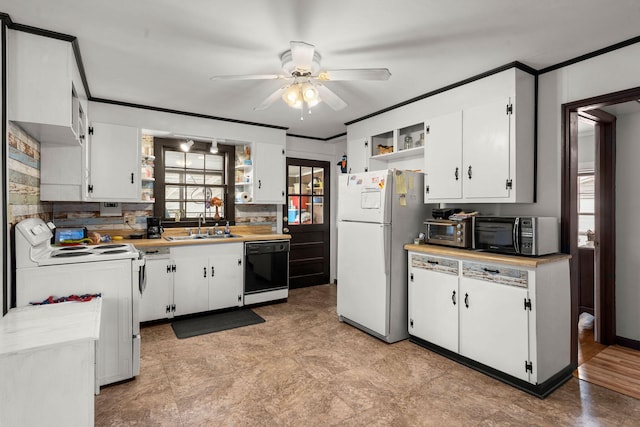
(186, 328)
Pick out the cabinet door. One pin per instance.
(358, 153)
(158, 294)
(114, 158)
(226, 276)
(433, 301)
(486, 154)
(269, 173)
(191, 285)
(443, 158)
(494, 325)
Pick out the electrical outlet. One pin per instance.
(130, 219)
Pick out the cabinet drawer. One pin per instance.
(442, 265)
(492, 273)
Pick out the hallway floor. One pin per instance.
(303, 367)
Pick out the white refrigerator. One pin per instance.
(378, 213)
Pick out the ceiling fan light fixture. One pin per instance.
(293, 96)
(186, 145)
(309, 93)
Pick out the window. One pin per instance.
(586, 207)
(305, 194)
(188, 182)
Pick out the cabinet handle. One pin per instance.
(205, 272)
(466, 300)
(433, 262)
(213, 271)
(488, 270)
(259, 183)
(456, 174)
(453, 297)
(168, 269)
(132, 177)
(469, 172)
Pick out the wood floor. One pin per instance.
(302, 367)
(613, 367)
(616, 368)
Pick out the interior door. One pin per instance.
(306, 219)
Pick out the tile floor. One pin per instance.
(302, 367)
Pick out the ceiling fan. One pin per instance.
(305, 88)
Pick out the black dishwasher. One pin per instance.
(266, 266)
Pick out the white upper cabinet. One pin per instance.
(114, 163)
(358, 153)
(443, 158)
(45, 91)
(260, 173)
(478, 145)
(269, 169)
(484, 153)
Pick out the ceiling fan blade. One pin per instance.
(249, 77)
(302, 55)
(271, 98)
(330, 98)
(356, 74)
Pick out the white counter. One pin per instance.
(47, 362)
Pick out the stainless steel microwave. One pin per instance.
(516, 235)
(448, 232)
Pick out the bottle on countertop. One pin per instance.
(227, 231)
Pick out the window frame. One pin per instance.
(228, 208)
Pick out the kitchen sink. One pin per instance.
(200, 237)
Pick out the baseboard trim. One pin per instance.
(541, 390)
(628, 342)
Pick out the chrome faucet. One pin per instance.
(201, 220)
(215, 229)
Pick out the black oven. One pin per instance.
(266, 266)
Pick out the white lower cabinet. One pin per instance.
(513, 319)
(226, 277)
(193, 279)
(433, 300)
(157, 298)
(494, 322)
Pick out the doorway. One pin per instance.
(306, 219)
(604, 239)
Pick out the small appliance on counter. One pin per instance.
(516, 235)
(154, 228)
(448, 232)
(443, 213)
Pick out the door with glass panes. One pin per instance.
(306, 218)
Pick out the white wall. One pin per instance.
(184, 125)
(332, 152)
(627, 226)
(604, 74)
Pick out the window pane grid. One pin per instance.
(192, 180)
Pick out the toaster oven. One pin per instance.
(455, 233)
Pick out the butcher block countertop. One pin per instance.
(241, 233)
(468, 254)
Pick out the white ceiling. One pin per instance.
(161, 53)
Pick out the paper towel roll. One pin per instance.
(244, 197)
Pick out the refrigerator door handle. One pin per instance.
(386, 247)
